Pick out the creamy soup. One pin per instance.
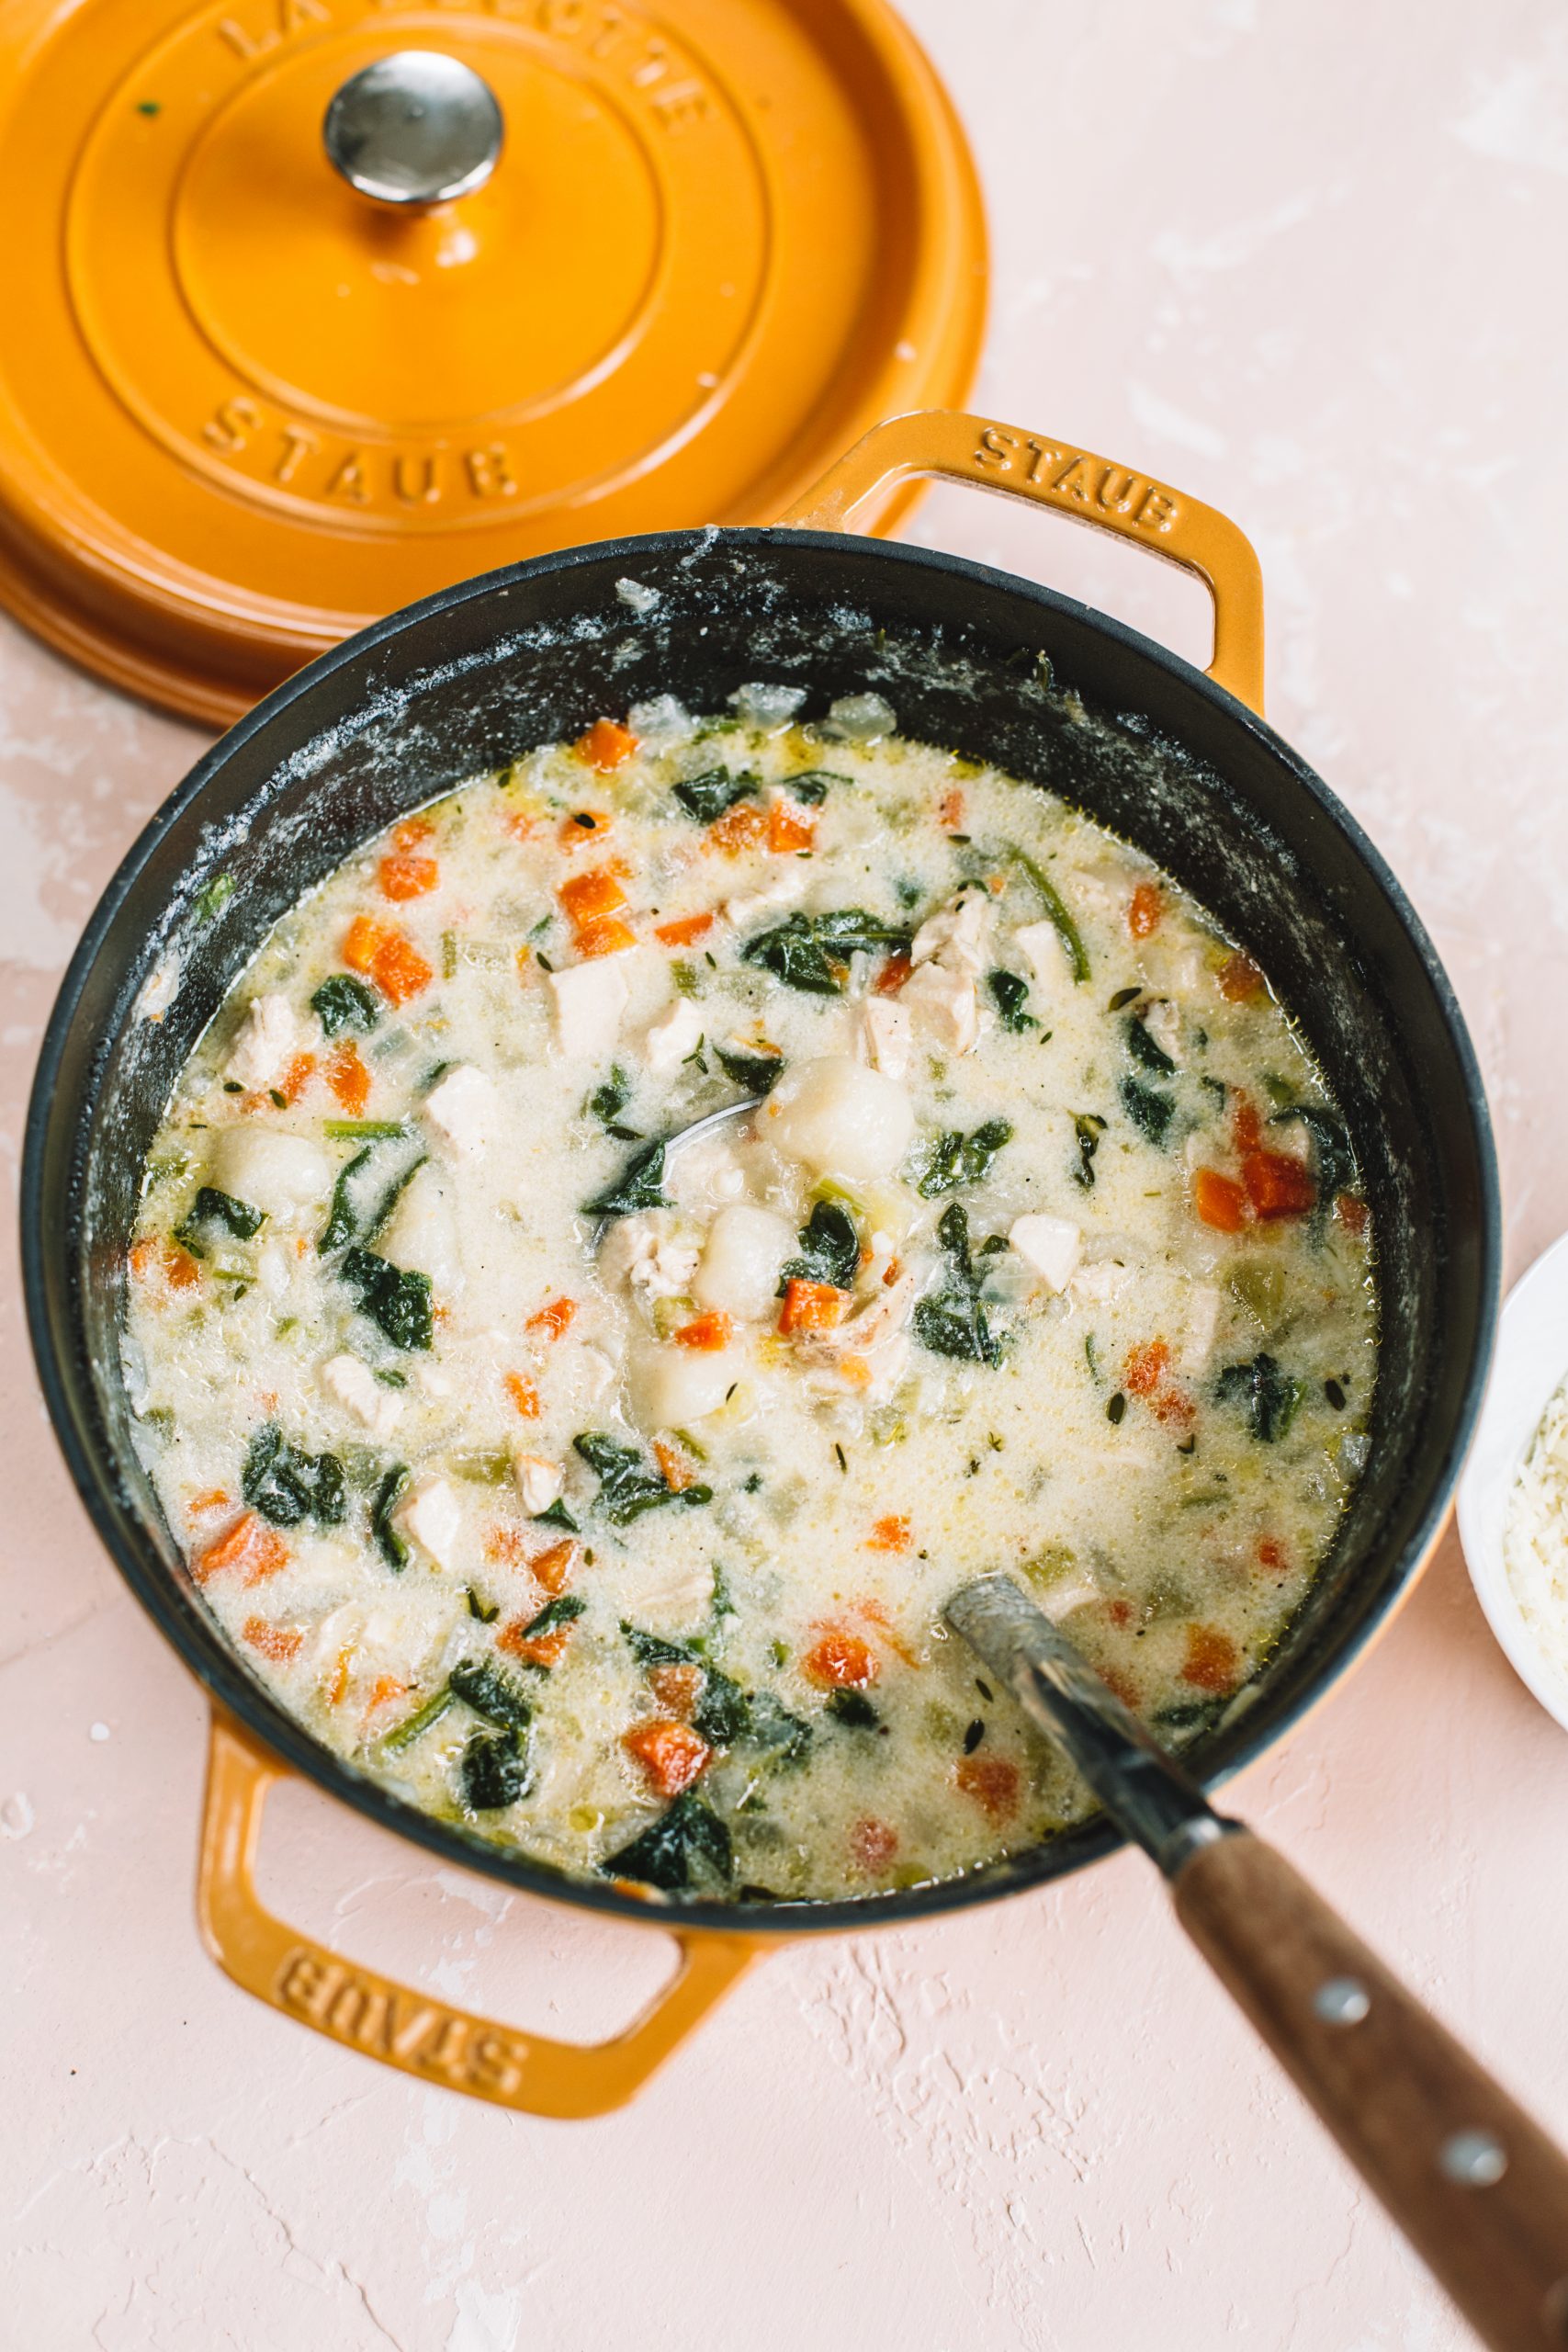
(603, 1492)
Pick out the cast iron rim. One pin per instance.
(215, 1665)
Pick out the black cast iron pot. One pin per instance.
(1161, 754)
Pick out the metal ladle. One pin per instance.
(1477, 2187)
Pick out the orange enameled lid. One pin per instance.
(246, 407)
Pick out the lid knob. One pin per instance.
(416, 127)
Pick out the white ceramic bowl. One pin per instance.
(1530, 1365)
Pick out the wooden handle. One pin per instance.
(1478, 2188)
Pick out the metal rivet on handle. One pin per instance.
(1473, 2159)
(1343, 2000)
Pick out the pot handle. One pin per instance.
(423, 2036)
(1087, 489)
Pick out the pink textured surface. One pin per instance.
(1299, 258)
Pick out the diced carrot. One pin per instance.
(523, 1395)
(584, 825)
(1351, 1212)
(875, 1614)
(412, 831)
(678, 1471)
(708, 1333)
(872, 1845)
(212, 1499)
(142, 1256)
(521, 823)
(180, 1268)
(892, 1272)
(506, 1545)
(840, 1662)
(891, 1534)
(1145, 910)
(891, 976)
(1247, 1127)
(552, 1320)
(383, 1691)
(338, 1686)
(298, 1076)
(1271, 1554)
(1170, 1405)
(398, 969)
(280, 1643)
(677, 1688)
(597, 892)
(1239, 979)
(1219, 1200)
(741, 828)
(361, 940)
(855, 1370)
(405, 875)
(539, 1649)
(949, 810)
(552, 1570)
(1213, 1661)
(1277, 1185)
(607, 745)
(1126, 1690)
(670, 1754)
(250, 1545)
(991, 1781)
(608, 936)
(1146, 1367)
(683, 930)
(349, 1079)
(1120, 1614)
(790, 827)
(812, 1306)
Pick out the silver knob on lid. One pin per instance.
(415, 128)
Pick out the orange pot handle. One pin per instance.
(1075, 482)
(423, 2036)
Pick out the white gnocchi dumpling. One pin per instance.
(279, 1174)
(839, 1118)
(742, 1263)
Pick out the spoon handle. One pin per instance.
(1475, 2185)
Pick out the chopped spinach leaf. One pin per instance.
(852, 1709)
(1267, 1396)
(562, 1611)
(493, 1774)
(287, 1484)
(493, 1693)
(1009, 993)
(486, 1612)
(213, 1207)
(640, 1185)
(811, 786)
(771, 1727)
(627, 1484)
(706, 797)
(721, 1715)
(653, 1649)
(1144, 1048)
(342, 1002)
(1187, 1715)
(1056, 915)
(607, 1102)
(956, 1158)
(342, 1222)
(557, 1515)
(397, 1301)
(752, 1073)
(1087, 1128)
(953, 1322)
(391, 1542)
(830, 1248)
(382, 1215)
(812, 952)
(686, 1836)
(1150, 1110)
